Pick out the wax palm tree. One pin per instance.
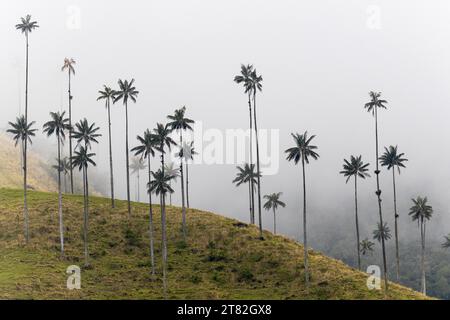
(353, 169)
(22, 132)
(127, 91)
(245, 78)
(170, 169)
(273, 201)
(108, 94)
(137, 164)
(372, 106)
(247, 174)
(68, 65)
(162, 141)
(179, 122)
(446, 243)
(421, 212)
(302, 152)
(160, 187)
(146, 149)
(26, 26)
(366, 246)
(85, 133)
(83, 159)
(188, 155)
(392, 159)
(57, 126)
(257, 86)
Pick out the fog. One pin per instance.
(319, 60)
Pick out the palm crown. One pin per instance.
(245, 77)
(106, 94)
(137, 164)
(187, 151)
(21, 130)
(162, 137)
(62, 165)
(171, 170)
(69, 64)
(84, 132)
(246, 174)
(82, 159)
(147, 145)
(375, 102)
(160, 183)
(446, 243)
(256, 83)
(26, 25)
(391, 158)
(355, 167)
(420, 211)
(58, 125)
(382, 232)
(178, 120)
(273, 201)
(126, 91)
(303, 148)
(366, 246)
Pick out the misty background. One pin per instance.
(318, 59)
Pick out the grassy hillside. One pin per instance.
(11, 171)
(221, 259)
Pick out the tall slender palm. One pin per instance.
(257, 86)
(174, 172)
(245, 78)
(85, 133)
(68, 65)
(302, 151)
(421, 212)
(247, 174)
(82, 159)
(146, 149)
(57, 126)
(179, 122)
(273, 201)
(188, 155)
(392, 159)
(26, 26)
(137, 164)
(22, 132)
(372, 106)
(127, 91)
(356, 168)
(162, 140)
(108, 94)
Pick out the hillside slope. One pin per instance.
(11, 171)
(221, 259)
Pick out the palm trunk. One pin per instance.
(25, 204)
(250, 200)
(170, 195)
(252, 205)
(163, 227)
(397, 255)
(183, 207)
(138, 187)
(422, 262)
(187, 184)
(305, 238)
(70, 135)
(257, 167)
(65, 183)
(127, 160)
(86, 217)
(110, 155)
(24, 149)
(357, 222)
(61, 226)
(150, 214)
(378, 193)
(274, 222)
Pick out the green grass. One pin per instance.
(221, 259)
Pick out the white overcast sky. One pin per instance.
(319, 59)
